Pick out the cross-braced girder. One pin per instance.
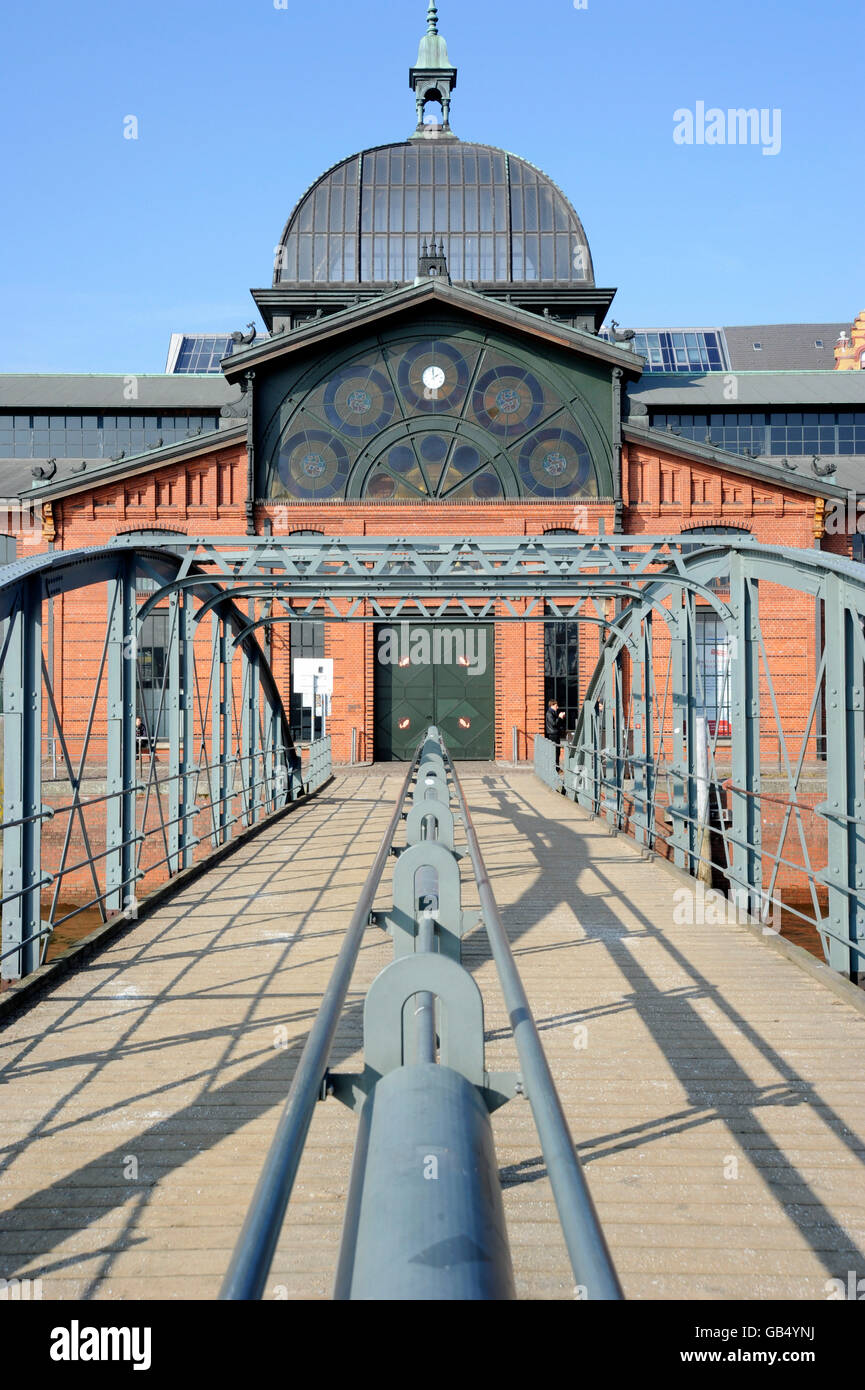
(789, 635)
(125, 775)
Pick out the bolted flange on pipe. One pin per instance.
(424, 1218)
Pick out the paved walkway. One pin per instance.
(714, 1088)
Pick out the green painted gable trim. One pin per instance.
(431, 292)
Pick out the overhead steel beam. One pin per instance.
(362, 579)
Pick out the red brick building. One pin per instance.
(434, 365)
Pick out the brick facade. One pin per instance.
(662, 494)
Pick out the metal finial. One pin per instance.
(432, 19)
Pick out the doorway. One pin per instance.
(434, 674)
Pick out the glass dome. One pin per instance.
(501, 220)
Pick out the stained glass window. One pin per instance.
(427, 418)
(312, 463)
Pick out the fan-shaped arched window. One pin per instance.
(423, 419)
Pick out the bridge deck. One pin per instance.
(717, 1103)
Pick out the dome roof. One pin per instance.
(501, 220)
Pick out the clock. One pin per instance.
(433, 378)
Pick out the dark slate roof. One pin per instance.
(779, 390)
(93, 392)
(15, 476)
(850, 474)
(786, 347)
(52, 392)
(355, 171)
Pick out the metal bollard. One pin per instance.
(424, 1217)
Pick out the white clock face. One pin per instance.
(434, 378)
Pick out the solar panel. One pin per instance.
(201, 353)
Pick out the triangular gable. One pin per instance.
(388, 307)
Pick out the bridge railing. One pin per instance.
(424, 1173)
(171, 747)
(611, 785)
(545, 762)
(590, 1258)
(255, 1248)
(319, 765)
(744, 765)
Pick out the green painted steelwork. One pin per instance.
(433, 77)
(424, 1074)
(111, 768)
(635, 760)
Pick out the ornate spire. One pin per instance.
(434, 77)
(432, 263)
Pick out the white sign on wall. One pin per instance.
(312, 680)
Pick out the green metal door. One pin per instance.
(428, 674)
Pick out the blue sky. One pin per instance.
(109, 245)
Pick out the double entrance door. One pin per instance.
(428, 673)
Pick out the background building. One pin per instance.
(435, 362)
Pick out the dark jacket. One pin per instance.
(553, 725)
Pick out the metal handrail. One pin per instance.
(13, 950)
(600, 785)
(253, 1254)
(587, 1248)
(141, 836)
